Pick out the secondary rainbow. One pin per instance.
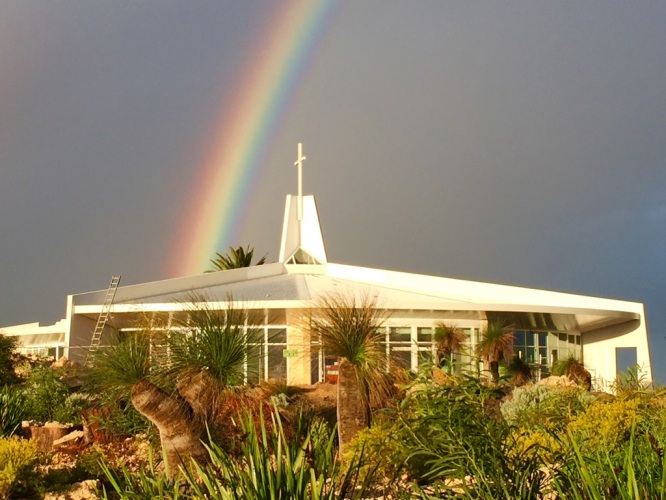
(248, 123)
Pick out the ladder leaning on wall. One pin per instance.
(103, 316)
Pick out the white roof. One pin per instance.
(297, 286)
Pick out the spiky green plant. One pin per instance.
(271, 466)
(12, 410)
(214, 341)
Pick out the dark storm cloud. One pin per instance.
(514, 142)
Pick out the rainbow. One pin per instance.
(247, 125)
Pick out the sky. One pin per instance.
(513, 142)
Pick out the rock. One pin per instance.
(78, 491)
(45, 435)
(73, 438)
(555, 381)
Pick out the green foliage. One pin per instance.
(382, 449)
(48, 398)
(235, 258)
(451, 435)
(635, 472)
(118, 367)
(17, 458)
(216, 342)
(120, 419)
(8, 360)
(550, 408)
(12, 410)
(605, 425)
(271, 466)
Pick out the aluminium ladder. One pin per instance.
(103, 315)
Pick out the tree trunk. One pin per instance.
(201, 391)
(353, 405)
(494, 370)
(180, 433)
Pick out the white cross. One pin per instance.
(299, 163)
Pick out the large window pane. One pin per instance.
(277, 363)
(400, 334)
(424, 334)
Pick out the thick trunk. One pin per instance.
(201, 391)
(353, 404)
(494, 370)
(180, 433)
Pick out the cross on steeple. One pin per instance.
(299, 163)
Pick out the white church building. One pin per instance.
(608, 335)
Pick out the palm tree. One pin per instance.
(573, 368)
(448, 340)
(205, 359)
(235, 258)
(496, 345)
(350, 329)
(520, 371)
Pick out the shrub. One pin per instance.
(47, 398)
(120, 419)
(605, 426)
(381, 448)
(17, 457)
(12, 410)
(7, 360)
(536, 406)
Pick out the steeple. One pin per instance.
(302, 242)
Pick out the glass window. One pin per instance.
(424, 334)
(277, 336)
(543, 339)
(400, 334)
(543, 355)
(530, 338)
(277, 363)
(255, 364)
(520, 337)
